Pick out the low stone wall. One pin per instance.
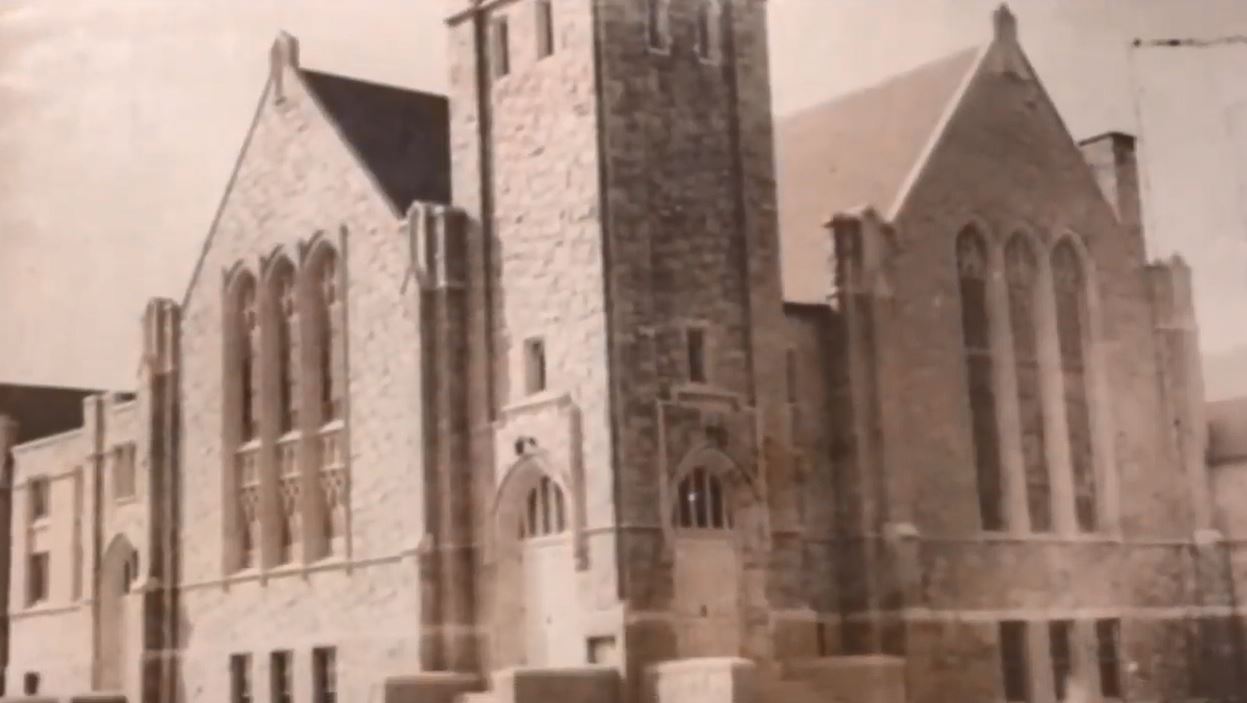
(430, 687)
(582, 684)
(710, 680)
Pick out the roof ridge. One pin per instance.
(887, 80)
(372, 83)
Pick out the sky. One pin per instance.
(120, 121)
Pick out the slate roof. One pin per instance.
(855, 150)
(402, 136)
(1227, 431)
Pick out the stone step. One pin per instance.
(792, 692)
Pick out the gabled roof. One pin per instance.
(860, 149)
(402, 136)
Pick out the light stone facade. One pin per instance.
(588, 449)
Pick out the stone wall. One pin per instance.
(524, 148)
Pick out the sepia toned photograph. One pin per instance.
(623, 351)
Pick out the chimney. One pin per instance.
(1005, 23)
(1112, 159)
(284, 55)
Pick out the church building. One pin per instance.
(592, 380)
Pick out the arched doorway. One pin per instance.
(118, 571)
(550, 624)
(537, 612)
(707, 594)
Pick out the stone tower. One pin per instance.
(615, 157)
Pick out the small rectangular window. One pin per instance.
(40, 498)
(534, 365)
(30, 684)
(240, 678)
(325, 675)
(37, 578)
(123, 471)
(545, 28)
(790, 374)
(501, 47)
(1108, 638)
(708, 30)
(658, 24)
(1013, 661)
(280, 670)
(696, 337)
(1059, 632)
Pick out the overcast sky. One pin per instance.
(121, 119)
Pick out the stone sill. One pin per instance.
(287, 571)
(535, 402)
(43, 608)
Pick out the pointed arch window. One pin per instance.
(972, 273)
(243, 342)
(1021, 276)
(325, 318)
(544, 511)
(327, 312)
(286, 345)
(1069, 287)
(701, 502)
(248, 353)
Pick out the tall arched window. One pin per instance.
(1069, 286)
(327, 312)
(286, 345)
(544, 511)
(1021, 269)
(701, 502)
(243, 340)
(248, 341)
(972, 273)
(284, 361)
(325, 319)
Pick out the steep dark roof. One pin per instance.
(41, 411)
(402, 136)
(855, 150)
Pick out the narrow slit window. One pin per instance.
(1060, 648)
(281, 673)
(37, 578)
(1013, 661)
(501, 52)
(696, 340)
(658, 24)
(545, 28)
(708, 19)
(325, 675)
(40, 493)
(535, 365)
(1108, 639)
(240, 678)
